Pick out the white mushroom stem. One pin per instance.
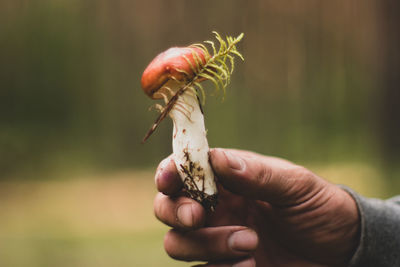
(191, 151)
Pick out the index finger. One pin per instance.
(167, 178)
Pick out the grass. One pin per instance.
(107, 219)
(103, 220)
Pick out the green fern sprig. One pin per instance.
(216, 69)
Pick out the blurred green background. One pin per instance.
(319, 87)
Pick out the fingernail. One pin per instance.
(233, 161)
(243, 241)
(184, 215)
(246, 263)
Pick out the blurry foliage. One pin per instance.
(70, 73)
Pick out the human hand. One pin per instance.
(271, 212)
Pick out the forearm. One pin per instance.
(380, 232)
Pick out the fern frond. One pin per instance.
(215, 69)
(227, 51)
(194, 70)
(204, 48)
(212, 45)
(182, 71)
(202, 91)
(211, 78)
(232, 61)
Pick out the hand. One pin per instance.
(271, 212)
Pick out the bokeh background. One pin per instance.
(319, 86)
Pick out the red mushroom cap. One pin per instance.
(166, 65)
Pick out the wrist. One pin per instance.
(351, 231)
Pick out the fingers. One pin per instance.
(181, 212)
(248, 174)
(211, 244)
(264, 178)
(167, 178)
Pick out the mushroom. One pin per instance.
(174, 76)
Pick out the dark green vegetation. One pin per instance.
(311, 88)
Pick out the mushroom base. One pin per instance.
(194, 182)
(209, 202)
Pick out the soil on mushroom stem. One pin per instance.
(195, 175)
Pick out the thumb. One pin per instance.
(270, 179)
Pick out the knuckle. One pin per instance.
(309, 178)
(264, 175)
(302, 173)
(303, 181)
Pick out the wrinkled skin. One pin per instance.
(271, 213)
